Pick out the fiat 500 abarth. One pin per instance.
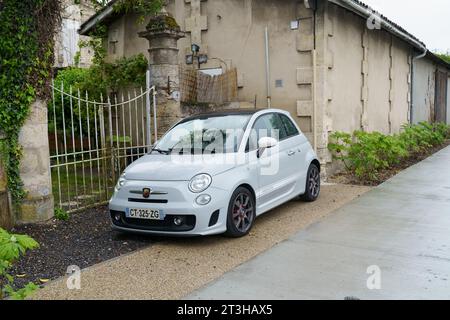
(215, 173)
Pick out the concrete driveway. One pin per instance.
(397, 236)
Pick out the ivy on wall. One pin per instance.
(27, 29)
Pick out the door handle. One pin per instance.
(291, 153)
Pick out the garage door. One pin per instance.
(440, 114)
(448, 100)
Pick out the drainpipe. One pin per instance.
(269, 102)
(314, 100)
(314, 8)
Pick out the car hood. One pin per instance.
(180, 168)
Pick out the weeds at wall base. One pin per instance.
(371, 158)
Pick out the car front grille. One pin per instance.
(148, 200)
(166, 225)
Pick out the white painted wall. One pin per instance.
(423, 90)
(67, 40)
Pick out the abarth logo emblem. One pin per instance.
(146, 193)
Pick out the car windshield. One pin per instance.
(205, 135)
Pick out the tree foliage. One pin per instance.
(445, 57)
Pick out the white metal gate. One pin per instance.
(92, 142)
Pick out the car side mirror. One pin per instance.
(266, 143)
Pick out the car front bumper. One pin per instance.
(175, 201)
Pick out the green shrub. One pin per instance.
(12, 247)
(367, 154)
(420, 137)
(61, 214)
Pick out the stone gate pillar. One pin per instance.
(35, 167)
(163, 33)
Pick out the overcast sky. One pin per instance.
(428, 20)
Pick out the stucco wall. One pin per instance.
(362, 75)
(345, 76)
(423, 90)
(400, 86)
(378, 84)
(232, 33)
(235, 34)
(117, 41)
(369, 78)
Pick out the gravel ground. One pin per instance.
(86, 239)
(173, 268)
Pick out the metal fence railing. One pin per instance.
(92, 142)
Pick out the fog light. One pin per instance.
(178, 221)
(203, 199)
(117, 217)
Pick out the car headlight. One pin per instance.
(121, 182)
(200, 183)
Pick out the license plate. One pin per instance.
(145, 214)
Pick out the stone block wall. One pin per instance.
(35, 167)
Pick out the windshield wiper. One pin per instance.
(166, 152)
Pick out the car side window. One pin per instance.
(269, 125)
(291, 129)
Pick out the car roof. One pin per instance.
(233, 112)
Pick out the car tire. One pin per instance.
(312, 184)
(240, 215)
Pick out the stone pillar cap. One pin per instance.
(166, 32)
(162, 24)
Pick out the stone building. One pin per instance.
(336, 65)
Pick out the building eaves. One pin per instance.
(104, 15)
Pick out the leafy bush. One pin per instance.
(61, 214)
(367, 154)
(12, 247)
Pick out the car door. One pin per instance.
(275, 178)
(298, 146)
